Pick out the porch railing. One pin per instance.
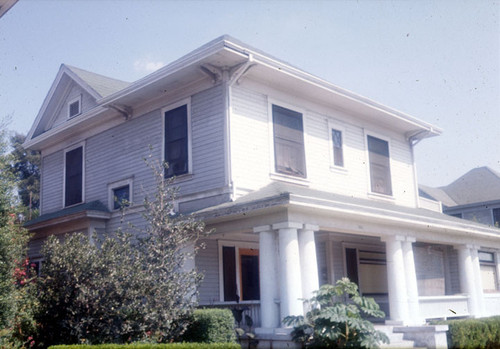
(434, 307)
(250, 308)
(491, 304)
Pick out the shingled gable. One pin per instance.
(93, 86)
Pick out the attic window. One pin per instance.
(74, 107)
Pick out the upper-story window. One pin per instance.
(177, 141)
(75, 107)
(380, 166)
(289, 154)
(73, 176)
(496, 217)
(337, 148)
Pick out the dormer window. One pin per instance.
(75, 107)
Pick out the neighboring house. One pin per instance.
(475, 196)
(303, 181)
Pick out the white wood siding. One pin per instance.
(207, 262)
(252, 158)
(52, 182)
(87, 103)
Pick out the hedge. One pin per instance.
(151, 346)
(211, 326)
(474, 333)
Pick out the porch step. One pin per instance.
(396, 339)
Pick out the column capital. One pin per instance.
(463, 247)
(262, 228)
(288, 225)
(387, 238)
(411, 239)
(312, 227)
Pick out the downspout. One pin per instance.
(229, 82)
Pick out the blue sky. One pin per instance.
(436, 60)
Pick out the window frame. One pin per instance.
(238, 245)
(368, 162)
(67, 150)
(493, 264)
(493, 216)
(116, 185)
(72, 101)
(336, 126)
(272, 156)
(187, 103)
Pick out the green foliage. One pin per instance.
(25, 167)
(211, 326)
(474, 333)
(152, 346)
(17, 289)
(122, 289)
(335, 319)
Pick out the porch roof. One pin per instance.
(281, 194)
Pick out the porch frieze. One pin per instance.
(387, 238)
(312, 227)
(288, 225)
(262, 228)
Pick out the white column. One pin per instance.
(291, 281)
(478, 282)
(411, 282)
(308, 260)
(269, 310)
(398, 298)
(466, 272)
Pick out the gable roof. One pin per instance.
(102, 85)
(479, 185)
(208, 64)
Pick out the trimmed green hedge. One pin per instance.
(152, 346)
(211, 326)
(474, 333)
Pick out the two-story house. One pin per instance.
(304, 183)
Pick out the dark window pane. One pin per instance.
(380, 171)
(288, 142)
(338, 156)
(74, 177)
(74, 108)
(121, 197)
(496, 217)
(229, 273)
(176, 141)
(351, 261)
(250, 277)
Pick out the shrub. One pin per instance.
(335, 319)
(211, 326)
(124, 288)
(152, 346)
(474, 333)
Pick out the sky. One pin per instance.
(436, 60)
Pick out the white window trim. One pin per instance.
(73, 147)
(119, 184)
(338, 127)
(493, 264)
(368, 172)
(187, 103)
(272, 165)
(76, 99)
(237, 245)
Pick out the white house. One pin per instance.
(303, 181)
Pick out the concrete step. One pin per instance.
(396, 339)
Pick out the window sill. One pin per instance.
(338, 169)
(182, 178)
(382, 197)
(290, 179)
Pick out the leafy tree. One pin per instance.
(25, 167)
(123, 288)
(335, 319)
(17, 301)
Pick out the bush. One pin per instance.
(474, 333)
(152, 346)
(335, 319)
(211, 326)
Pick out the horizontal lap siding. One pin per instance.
(207, 262)
(402, 172)
(52, 182)
(87, 103)
(250, 151)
